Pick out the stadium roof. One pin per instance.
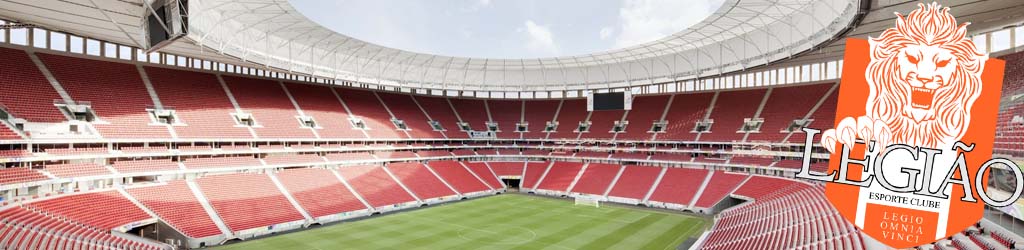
(742, 34)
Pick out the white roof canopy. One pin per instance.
(741, 34)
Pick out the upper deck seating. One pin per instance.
(507, 114)
(97, 81)
(441, 111)
(366, 106)
(405, 108)
(602, 122)
(646, 110)
(269, 104)
(731, 108)
(199, 101)
(569, 117)
(472, 111)
(684, 113)
(24, 91)
(784, 105)
(325, 108)
(537, 114)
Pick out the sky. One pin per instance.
(507, 29)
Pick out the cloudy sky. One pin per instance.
(507, 28)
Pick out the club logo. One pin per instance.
(915, 127)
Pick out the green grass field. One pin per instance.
(510, 221)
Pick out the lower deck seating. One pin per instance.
(375, 185)
(508, 168)
(222, 162)
(22, 228)
(560, 176)
(247, 201)
(77, 151)
(536, 152)
(752, 161)
(420, 180)
(319, 192)
(290, 159)
(532, 174)
(7, 133)
(679, 185)
(596, 178)
(630, 156)
(785, 214)
(76, 170)
(433, 153)
(486, 173)
(352, 156)
(13, 153)
(136, 166)
(19, 175)
(458, 176)
(720, 185)
(395, 155)
(672, 157)
(101, 211)
(176, 205)
(635, 182)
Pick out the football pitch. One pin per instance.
(509, 221)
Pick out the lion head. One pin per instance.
(924, 76)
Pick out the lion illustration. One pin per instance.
(924, 77)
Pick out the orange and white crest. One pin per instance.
(915, 123)
(924, 77)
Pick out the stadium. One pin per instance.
(222, 124)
